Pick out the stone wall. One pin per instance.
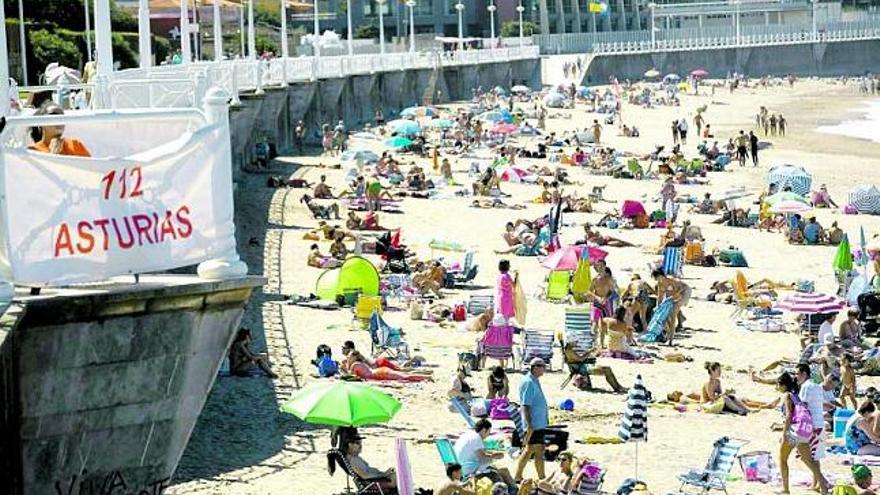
(355, 99)
(817, 59)
(102, 386)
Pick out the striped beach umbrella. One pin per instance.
(865, 199)
(793, 176)
(789, 206)
(634, 427)
(811, 303)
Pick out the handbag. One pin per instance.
(499, 408)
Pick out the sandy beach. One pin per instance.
(243, 445)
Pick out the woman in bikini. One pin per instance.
(592, 236)
(638, 294)
(497, 384)
(358, 365)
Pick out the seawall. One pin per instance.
(354, 99)
(101, 385)
(808, 59)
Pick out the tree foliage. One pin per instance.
(510, 29)
(366, 32)
(49, 47)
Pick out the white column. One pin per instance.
(185, 48)
(218, 32)
(4, 66)
(241, 28)
(815, 32)
(492, 8)
(460, 8)
(22, 42)
(144, 48)
(520, 9)
(381, 4)
(411, 4)
(652, 6)
(350, 34)
(227, 264)
(88, 29)
(103, 41)
(252, 35)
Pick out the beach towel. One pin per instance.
(672, 261)
(657, 325)
(520, 308)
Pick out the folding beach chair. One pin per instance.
(673, 259)
(477, 304)
(558, 286)
(714, 475)
(497, 342)
(446, 451)
(579, 328)
(384, 337)
(364, 309)
(657, 325)
(399, 286)
(536, 344)
(463, 408)
(364, 486)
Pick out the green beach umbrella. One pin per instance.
(785, 196)
(439, 124)
(342, 404)
(398, 142)
(843, 259)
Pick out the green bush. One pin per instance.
(510, 29)
(266, 44)
(161, 48)
(48, 47)
(366, 32)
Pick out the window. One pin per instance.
(424, 7)
(450, 6)
(371, 8)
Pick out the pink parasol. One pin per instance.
(567, 257)
(405, 484)
(504, 129)
(699, 73)
(631, 209)
(515, 174)
(814, 303)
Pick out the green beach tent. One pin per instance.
(357, 274)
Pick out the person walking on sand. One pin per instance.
(781, 123)
(674, 132)
(753, 142)
(699, 121)
(683, 130)
(812, 395)
(787, 384)
(597, 132)
(533, 405)
(504, 305)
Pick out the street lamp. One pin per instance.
(412, 26)
(737, 3)
(815, 33)
(252, 34)
(348, 13)
(460, 8)
(381, 26)
(241, 28)
(317, 29)
(492, 8)
(520, 9)
(285, 50)
(652, 6)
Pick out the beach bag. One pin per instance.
(758, 466)
(478, 408)
(459, 313)
(499, 408)
(327, 367)
(520, 308)
(483, 486)
(801, 422)
(842, 489)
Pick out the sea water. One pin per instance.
(867, 126)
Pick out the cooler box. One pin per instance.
(841, 416)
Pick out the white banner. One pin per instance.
(72, 219)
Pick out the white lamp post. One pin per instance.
(492, 8)
(252, 34)
(460, 8)
(815, 32)
(737, 2)
(317, 29)
(241, 28)
(4, 68)
(218, 33)
(381, 4)
(652, 6)
(22, 42)
(88, 32)
(143, 33)
(185, 48)
(520, 9)
(103, 41)
(411, 4)
(348, 12)
(285, 50)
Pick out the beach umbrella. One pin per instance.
(671, 77)
(519, 88)
(567, 257)
(360, 156)
(439, 124)
(341, 403)
(811, 303)
(504, 129)
(862, 259)
(515, 174)
(789, 206)
(699, 73)
(496, 116)
(398, 142)
(634, 426)
(632, 209)
(794, 176)
(583, 91)
(785, 196)
(865, 199)
(652, 73)
(419, 112)
(405, 127)
(843, 258)
(405, 483)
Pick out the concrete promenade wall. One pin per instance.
(355, 99)
(101, 387)
(817, 59)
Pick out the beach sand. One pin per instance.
(243, 445)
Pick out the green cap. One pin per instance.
(860, 472)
